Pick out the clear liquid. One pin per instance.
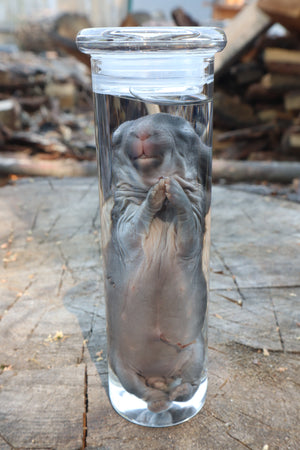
(155, 181)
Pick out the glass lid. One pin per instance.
(99, 40)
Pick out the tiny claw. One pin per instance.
(159, 405)
(182, 393)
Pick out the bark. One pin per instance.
(273, 171)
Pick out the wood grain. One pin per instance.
(53, 375)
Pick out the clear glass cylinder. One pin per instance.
(153, 92)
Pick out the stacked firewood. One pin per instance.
(257, 90)
(45, 107)
(46, 110)
(257, 102)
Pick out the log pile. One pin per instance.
(257, 98)
(46, 109)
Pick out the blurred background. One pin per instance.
(46, 109)
(100, 13)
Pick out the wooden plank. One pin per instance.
(241, 31)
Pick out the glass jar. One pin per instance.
(153, 91)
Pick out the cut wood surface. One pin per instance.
(53, 362)
(9, 111)
(292, 101)
(282, 61)
(280, 82)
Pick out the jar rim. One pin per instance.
(100, 40)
